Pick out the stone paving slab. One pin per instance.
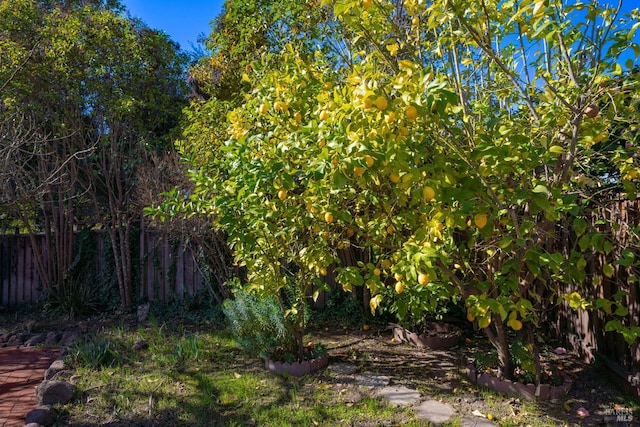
(477, 422)
(435, 412)
(369, 379)
(399, 396)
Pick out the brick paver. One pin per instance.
(21, 370)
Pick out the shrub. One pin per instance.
(95, 354)
(258, 324)
(71, 299)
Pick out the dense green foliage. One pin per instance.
(87, 96)
(452, 143)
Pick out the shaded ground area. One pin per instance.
(442, 375)
(436, 375)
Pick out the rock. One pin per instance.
(474, 422)
(54, 392)
(142, 312)
(43, 415)
(369, 379)
(52, 338)
(141, 344)
(57, 366)
(35, 339)
(435, 412)
(399, 396)
(343, 368)
(68, 338)
(5, 337)
(15, 341)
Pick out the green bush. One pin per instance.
(95, 354)
(71, 299)
(258, 324)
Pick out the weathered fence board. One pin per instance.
(167, 270)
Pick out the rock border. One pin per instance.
(44, 415)
(434, 342)
(542, 392)
(296, 369)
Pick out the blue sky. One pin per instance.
(183, 20)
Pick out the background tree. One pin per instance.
(102, 91)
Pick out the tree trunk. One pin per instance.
(498, 338)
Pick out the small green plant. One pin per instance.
(95, 354)
(258, 325)
(522, 358)
(187, 349)
(73, 298)
(485, 359)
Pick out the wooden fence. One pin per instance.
(585, 331)
(166, 268)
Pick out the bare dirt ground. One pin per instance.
(442, 374)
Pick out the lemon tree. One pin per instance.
(452, 144)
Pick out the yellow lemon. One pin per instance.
(280, 106)
(366, 4)
(390, 118)
(323, 271)
(358, 171)
(397, 276)
(263, 109)
(297, 117)
(368, 160)
(428, 193)
(399, 287)
(411, 112)
(515, 324)
(394, 177)
(480, 220)
(470, 316)
(376, 271)
(423, 279)
(381, 103)
(322, 143)
(328, 216)
(282, 194)
(324, 115)
(366, 327)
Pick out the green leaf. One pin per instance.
(608, 270)
(584, 242)
(556, 149)
(541, 189)
(340, 181)
(579, 226)
(621, 311)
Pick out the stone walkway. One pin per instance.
(21, 370)
(426, 408)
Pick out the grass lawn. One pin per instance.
(183, 373)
